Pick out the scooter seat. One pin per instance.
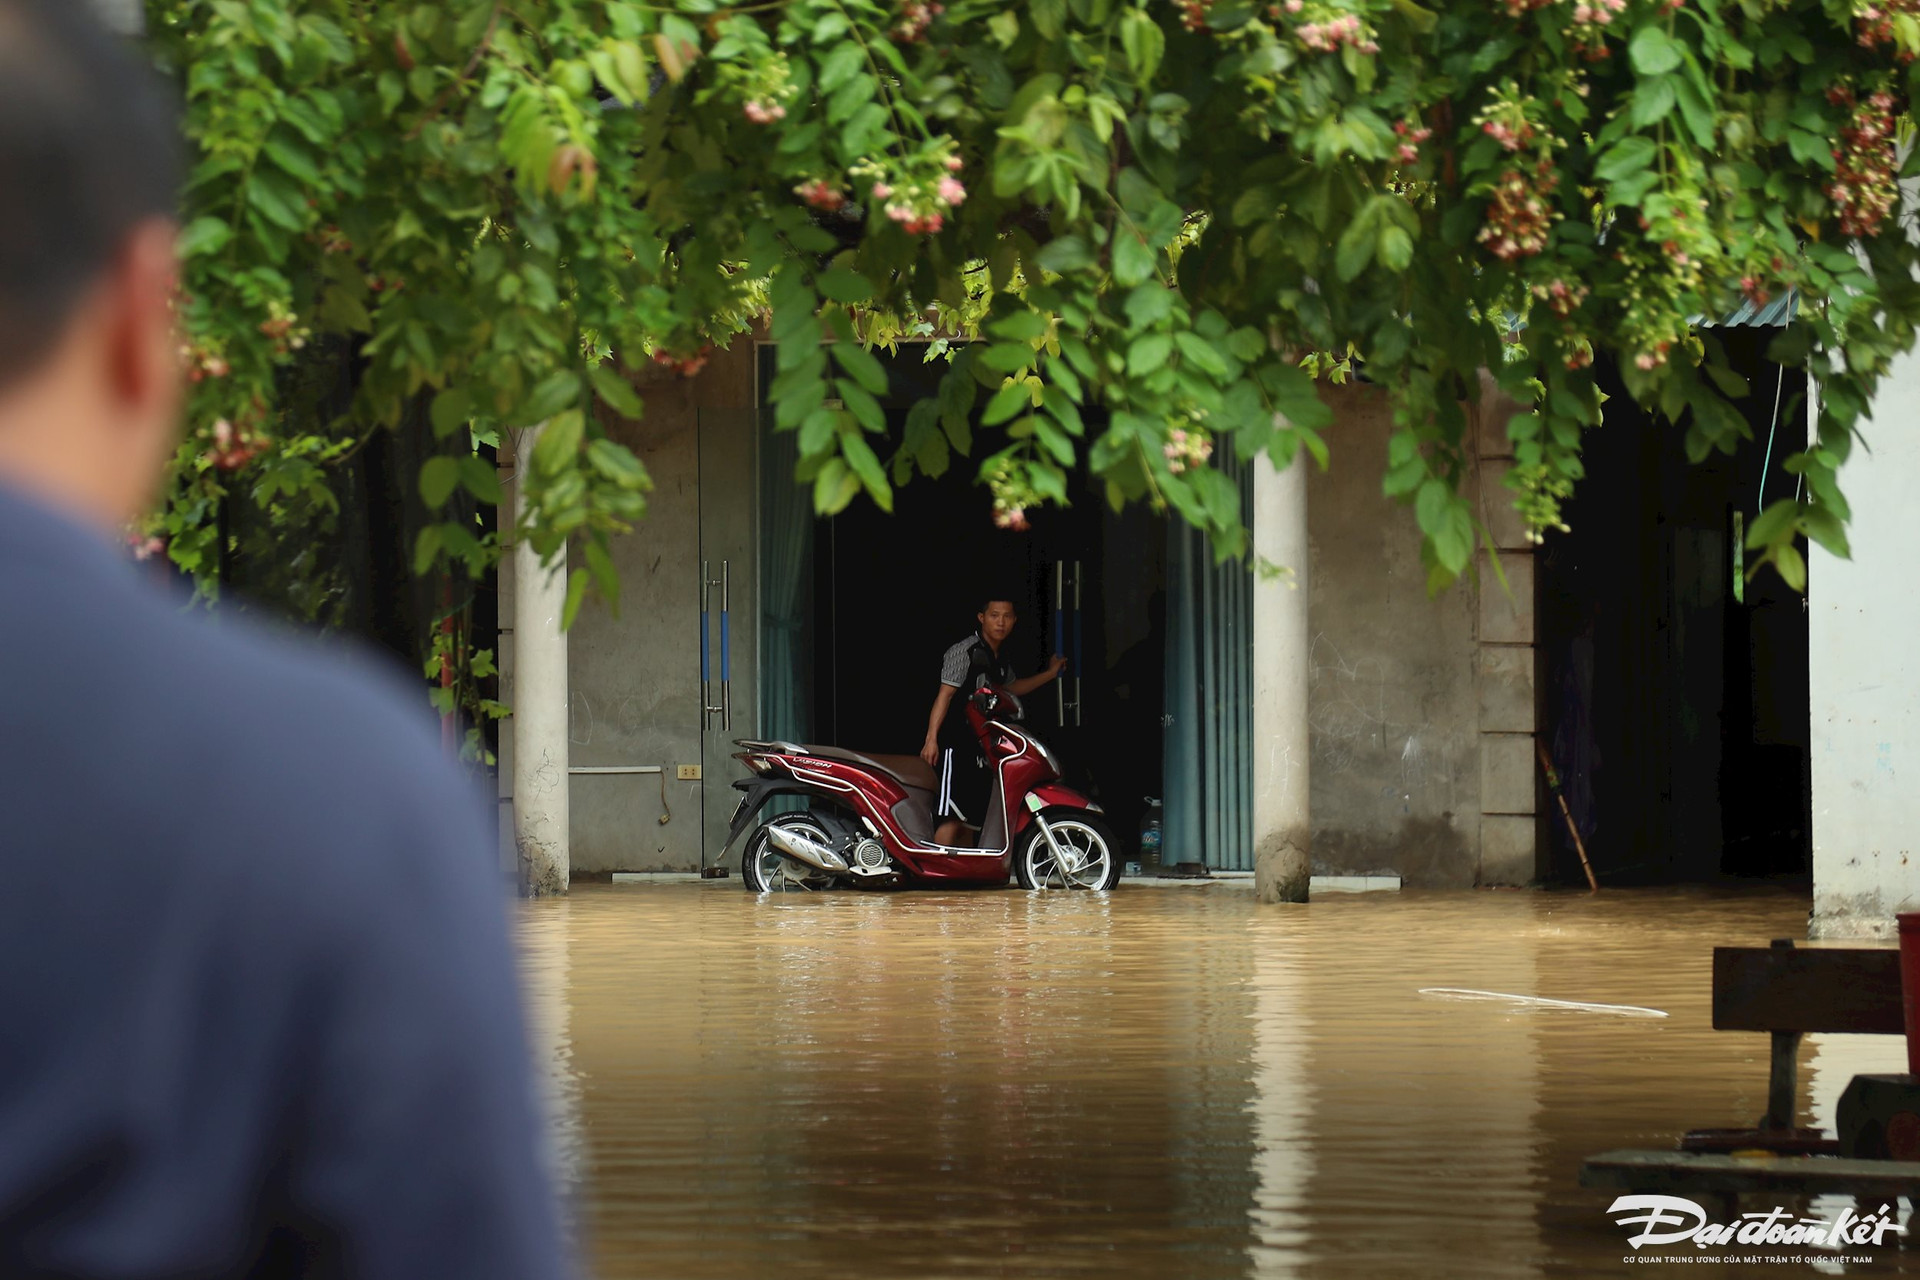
(910, 771)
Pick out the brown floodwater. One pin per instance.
(1164, 1082)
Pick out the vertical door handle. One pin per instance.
(726, 646)
(1060, 634)
(1079, 646)
(706, 656)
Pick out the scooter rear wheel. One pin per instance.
(1093, 860)
(764, 869)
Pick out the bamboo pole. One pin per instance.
(1553, 785)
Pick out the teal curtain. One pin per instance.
(1208, 814)
(786, 589)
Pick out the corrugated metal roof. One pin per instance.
(1776, 313)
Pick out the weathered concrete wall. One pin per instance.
(635, 678)
(1864, 617)
(1421, 709)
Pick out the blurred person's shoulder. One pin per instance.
(232, 735)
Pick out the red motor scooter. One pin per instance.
(870, 819)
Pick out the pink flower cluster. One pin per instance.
(1411, 136)
(915, 17)
(145, 549)
(1186, 449)
(1006, 517)
(1561, 298)
(1873, 24)
(1754, 286)
(233, 448)
(1518, 216)
(1864, 186)
(1193, 13)
(1326, 37)
(1598, 14)
(685, 366)
(821, 195)
(203, 364)
(763, 112)
(1507, 136)
(918, 211)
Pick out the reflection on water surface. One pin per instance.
(1158, 1082)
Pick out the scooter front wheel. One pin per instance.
(1081, 855)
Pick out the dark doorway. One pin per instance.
(890, 593)
(1674, 696)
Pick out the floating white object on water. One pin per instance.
(1465, 993)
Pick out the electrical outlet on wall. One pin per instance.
(689, 773)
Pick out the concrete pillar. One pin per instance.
(1282, 670)
(128, 17)
(1865, 731)
(541, 797)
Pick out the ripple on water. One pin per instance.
(1165, 1083)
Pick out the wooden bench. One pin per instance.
(1786, 992)
(1681, 1172)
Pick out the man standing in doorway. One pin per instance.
(968, 666)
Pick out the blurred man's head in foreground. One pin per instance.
(89, 175)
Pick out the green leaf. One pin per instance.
(1652, 51)
(426, 549)
(617, 465)
(439, 476)
(481, 479)
(1064, 255)
(1396, 248)
(1651, 102)
(559, 443)
(865, 409)
(1200, 353)
(605, 576)
(834, 487)
(1430, 505)
(204, 236)
(1731, 384)
(1064, 410)
(278, 199)
(843, 285)
(1148, 353)
(553, 393)
(1793, 569)
(1132, 259)
(576, 596)
(1628, 157)
(1021, 326)
(866, 465)
(1825, 528)
(841, 64)
(1149, 304)
(1007, 357)
(1009, 400)
(616, 391)
(1356, 248)
(451, 411)
(1144, 43)
(861, 364)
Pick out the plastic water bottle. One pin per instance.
(1150, 832)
